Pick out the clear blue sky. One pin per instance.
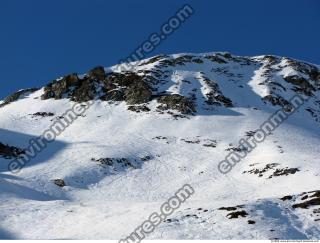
(42, 40)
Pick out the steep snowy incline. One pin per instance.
(151, 129)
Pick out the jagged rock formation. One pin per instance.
(159, 79)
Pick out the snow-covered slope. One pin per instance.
(154, 127)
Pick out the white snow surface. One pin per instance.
(99, 204)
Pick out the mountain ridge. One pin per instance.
(154, 126)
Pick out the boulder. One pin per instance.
(59, 182)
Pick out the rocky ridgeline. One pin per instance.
(138, 88)
(127, 86)
(17, 95)
(306, 81)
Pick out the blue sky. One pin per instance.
(42, 40)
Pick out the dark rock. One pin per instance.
(212, 144)
(261, 172)
(9, 152)
(137, 93)
(123, 79)
(307, 204)
(194, 141)
(228, 208)
(126, 86)
(215, 96)
(114, 95)
(72, 79)
(305, 86)
(278, 100)
(284, 171)
(316, 194)
(146, 158)
(226, 101)
(176, 102)
(57, 88)
(237, 149)
(317, 210)
(43, 114)
(123, 162)
(97, 73)
(286, 198)
(235, 215)
(251, 222)
(84, 92)
(59, 182)
(138, 108)
(153, 59)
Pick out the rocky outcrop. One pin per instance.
(75, 88)
(215, 96)
(176, 102)
(302, 83)
(84, 91)
(137, 93)
(9, 152)
(97, 73)
(114, 95)
(127, 86)
(57, 88)
(278, 100)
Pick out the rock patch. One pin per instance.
(59, 182)
(17, 95)
(176, 102)
(9, 152)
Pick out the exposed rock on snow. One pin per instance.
(17, 95)
(59, 182)
(176, 102)
(167, 121)
(9, 152)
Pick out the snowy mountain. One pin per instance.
(154, 126)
